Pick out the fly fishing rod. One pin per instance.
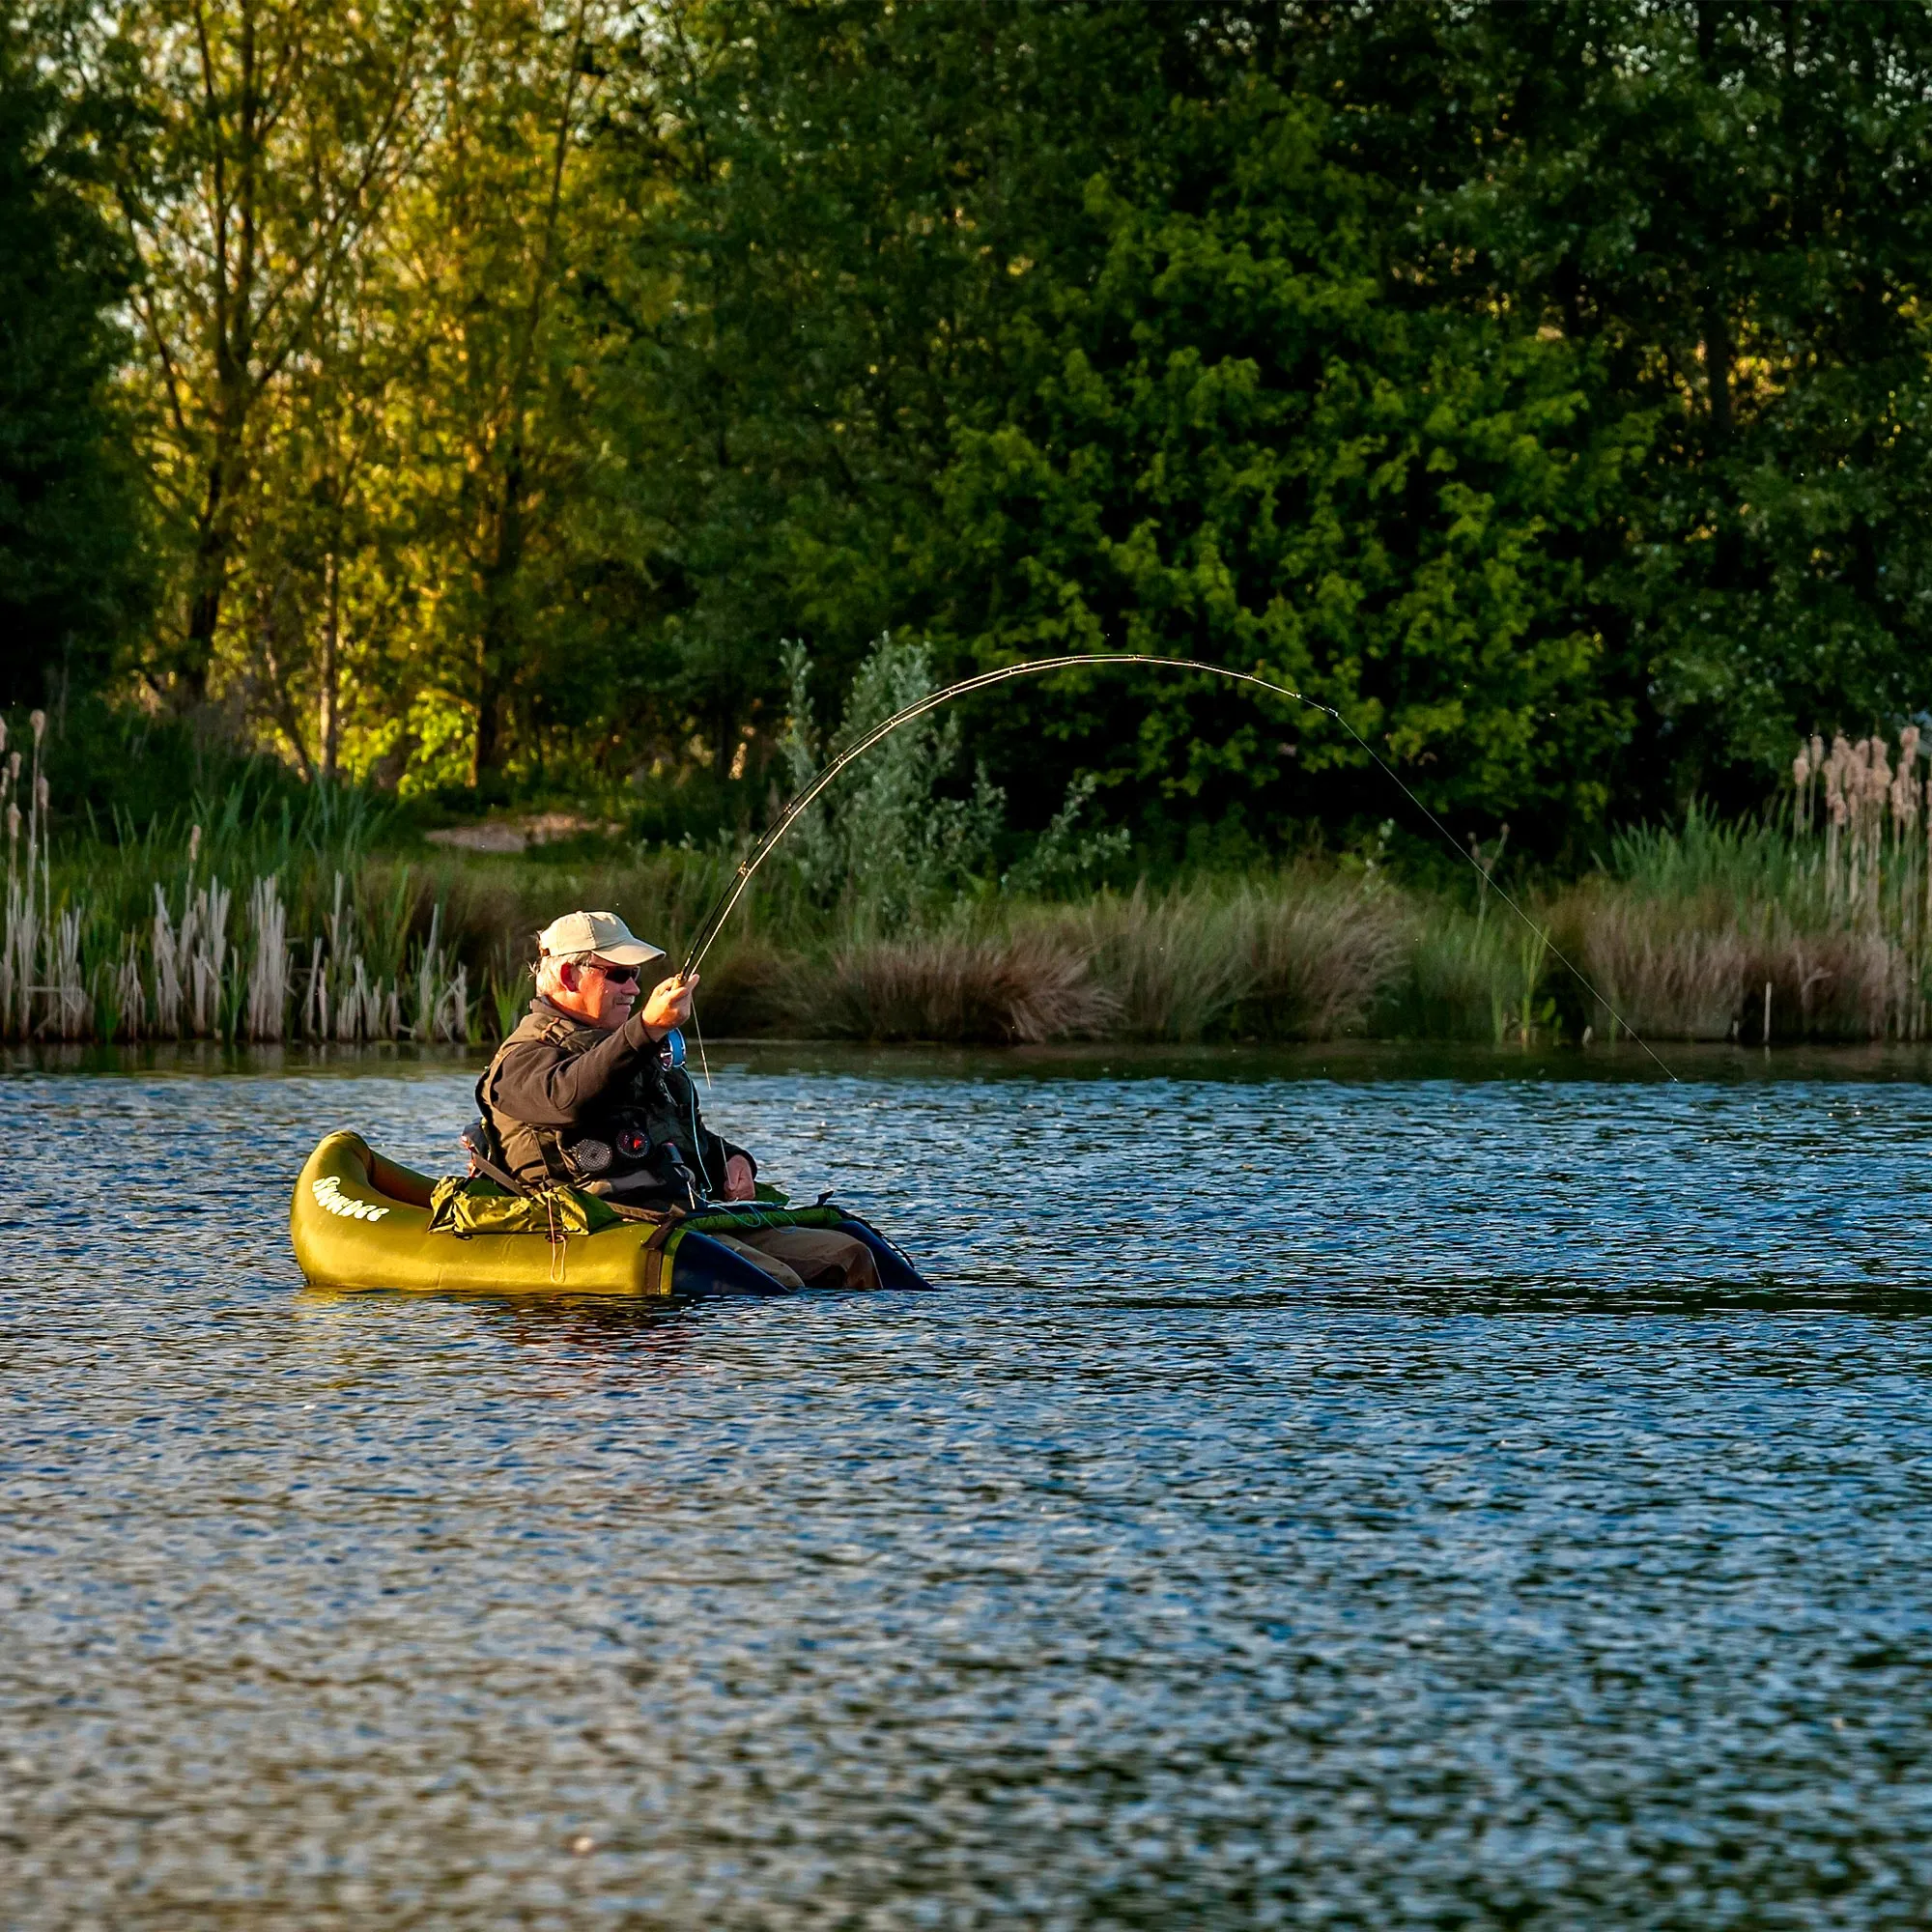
(714, 923)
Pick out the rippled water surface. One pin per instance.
(1365, 1500)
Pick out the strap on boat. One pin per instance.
(659, 1249)
(472, 1138)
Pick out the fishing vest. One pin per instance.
(642, 1136)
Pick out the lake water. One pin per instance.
(1378, 1493)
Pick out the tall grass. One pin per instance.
(248, 916)
(1298, 955)
(1824, 903)
(181, 928)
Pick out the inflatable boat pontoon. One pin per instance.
(361, 1221)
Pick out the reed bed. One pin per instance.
(1013, 988)
(249, 919)
(1301, 956)
(1701, 970)
(153, 937)
(1815, 922)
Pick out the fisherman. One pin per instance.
(586, 1092)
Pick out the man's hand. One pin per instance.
(668, 1006)
(739, 1182)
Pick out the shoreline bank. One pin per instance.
(1345, 1061)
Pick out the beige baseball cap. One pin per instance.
(602, 933)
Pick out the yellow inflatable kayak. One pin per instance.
(361, 1221)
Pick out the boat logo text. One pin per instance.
(329, 1195)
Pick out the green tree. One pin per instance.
(275, 132)
(1542, 385)
(1061, 327)
(72, 575)
(1723, 206)
(486, 245)
(1235, 440)
(803, 302)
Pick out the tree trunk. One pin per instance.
(209, 582)
(495, 650)
(286, 715)
(489, 697)
(495, 647)
(327, 723)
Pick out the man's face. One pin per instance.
(600, 993)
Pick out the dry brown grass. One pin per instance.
(1172, 965)
(1302, 956)
(1672, 971)
(745, 987)
(1696, 968)
(1828, 985)
(1009, 988)
(1321, 957)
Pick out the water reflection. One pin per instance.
(574, 1339)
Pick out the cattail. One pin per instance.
(194, 845)
(1905, 785)
(72, 1011)
(207, 964)
(348, 1009)
(3, 732)
(42, 793)
(268, 974)
(170, 962)
(1835, 772)
(38, 720)
(129, 999)
(315, 1021)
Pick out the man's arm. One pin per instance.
(715, 1153)
(538, 1082)
(719, 1156)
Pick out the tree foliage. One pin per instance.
(1543, 384)
(71, 570)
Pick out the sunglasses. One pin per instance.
(618, 975)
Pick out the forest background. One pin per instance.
(486, 403)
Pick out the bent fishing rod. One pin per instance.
(728, 900)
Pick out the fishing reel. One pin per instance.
(670, 1050)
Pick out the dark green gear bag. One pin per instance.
(464, 1206)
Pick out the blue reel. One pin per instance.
(670, 1050)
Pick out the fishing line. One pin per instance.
(714, 923)
(702, 1061)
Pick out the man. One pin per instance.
(581, 1093)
